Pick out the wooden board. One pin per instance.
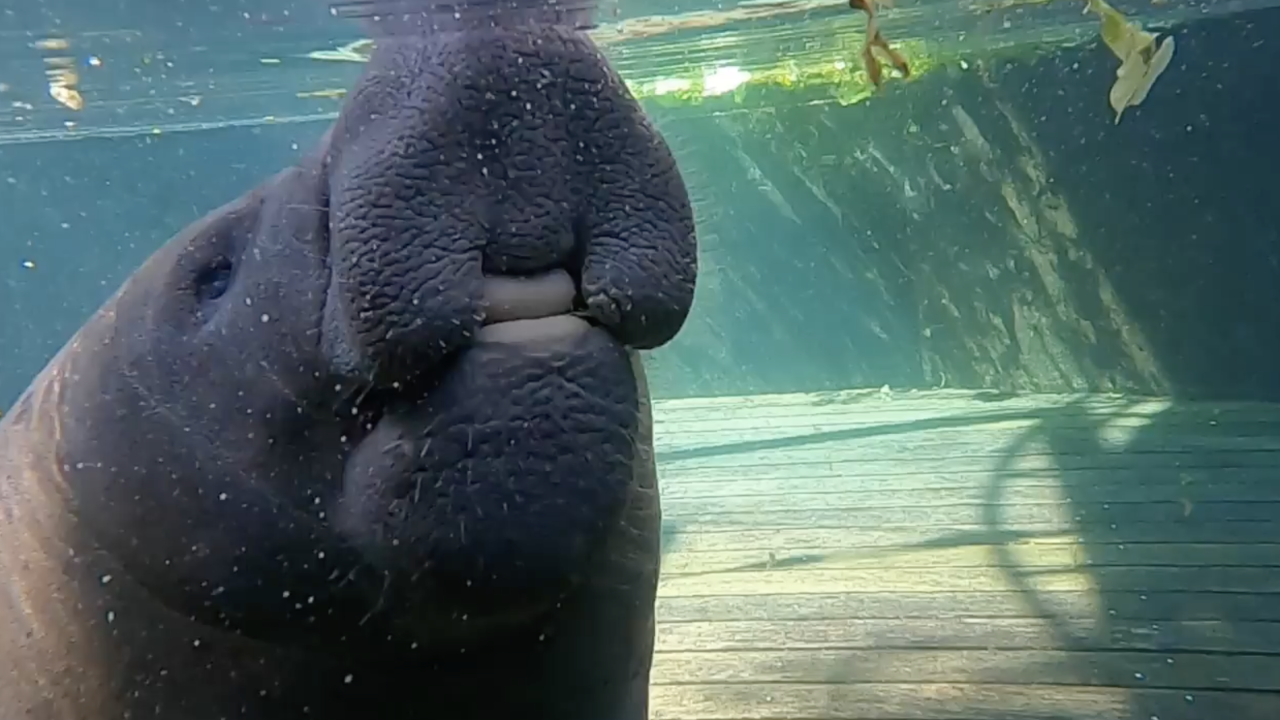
(949, 555)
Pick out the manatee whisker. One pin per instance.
(382, 598)
(306, 206)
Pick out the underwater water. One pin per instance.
(975, 414)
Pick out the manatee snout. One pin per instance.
(508, 153)
(506, 230)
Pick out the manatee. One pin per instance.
(373, 440)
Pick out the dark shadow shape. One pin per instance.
(1120, 624)
(1127, 648)
(795, 441)
(944, 542)
(670, 538)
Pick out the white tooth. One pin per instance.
(519, 298)
(547, 328)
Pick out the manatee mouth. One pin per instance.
(530, 308)
(491, 492)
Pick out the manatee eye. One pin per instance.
(213, 280)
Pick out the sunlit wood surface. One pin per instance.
(951, 555)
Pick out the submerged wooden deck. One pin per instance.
(953, 555)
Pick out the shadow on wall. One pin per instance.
(792, 296)
(1178, 203)
(858, 246)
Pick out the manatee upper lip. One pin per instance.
(525, 308)
(509, 297)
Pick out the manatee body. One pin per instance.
(371, 441)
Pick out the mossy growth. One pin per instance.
(833, 75)
(842, 79)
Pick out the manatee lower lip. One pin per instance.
(523, 298)
(543, 328)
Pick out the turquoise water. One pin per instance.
(974, 412)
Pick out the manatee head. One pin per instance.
(390, 397)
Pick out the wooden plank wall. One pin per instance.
(951, 554)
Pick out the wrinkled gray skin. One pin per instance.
(296, 468)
